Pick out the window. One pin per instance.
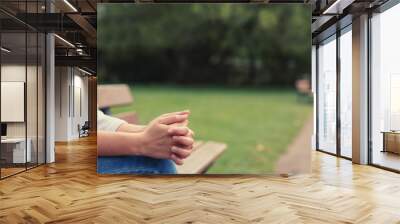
(346, 92)
(385, 89)
(15, 148)
(327, 95)
(22, 77)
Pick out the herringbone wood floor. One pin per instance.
(70, 191)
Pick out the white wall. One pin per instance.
(71, 94)
(81, 82)
(62, 81)
(33, 126)
(16, 73)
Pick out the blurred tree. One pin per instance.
(227, 44)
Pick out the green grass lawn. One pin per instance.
(257, 125)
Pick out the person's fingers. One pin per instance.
(184, 123)
(180, 152)
(173, 119)
(190, 133)
(184, 141)
(176, 160)
(180, 131)
(176, 113)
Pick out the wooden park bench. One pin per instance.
(112, 95)
(303, 88)
(204, 154)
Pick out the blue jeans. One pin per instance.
(134, 165)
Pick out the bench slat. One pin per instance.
(113, 95)
(130, 117)
(204, 154)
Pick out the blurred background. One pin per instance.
(242, 69)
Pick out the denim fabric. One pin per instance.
(134, 165)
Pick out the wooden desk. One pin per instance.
(391, 141)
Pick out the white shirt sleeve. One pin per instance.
(108, 123)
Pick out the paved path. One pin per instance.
(298, 154)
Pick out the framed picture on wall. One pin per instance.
(12, 98)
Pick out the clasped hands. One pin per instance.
(168, 137)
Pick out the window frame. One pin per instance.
(25, 30)
(379, 10)
(345, 23)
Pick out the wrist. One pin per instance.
(140, 144)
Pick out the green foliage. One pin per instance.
(257, 124)
(229, 44)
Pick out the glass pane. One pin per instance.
(32, 98)
(327, 96)
(346, 94)
(13, 86)
(386, 89)
(32, 89)
(41, 98)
